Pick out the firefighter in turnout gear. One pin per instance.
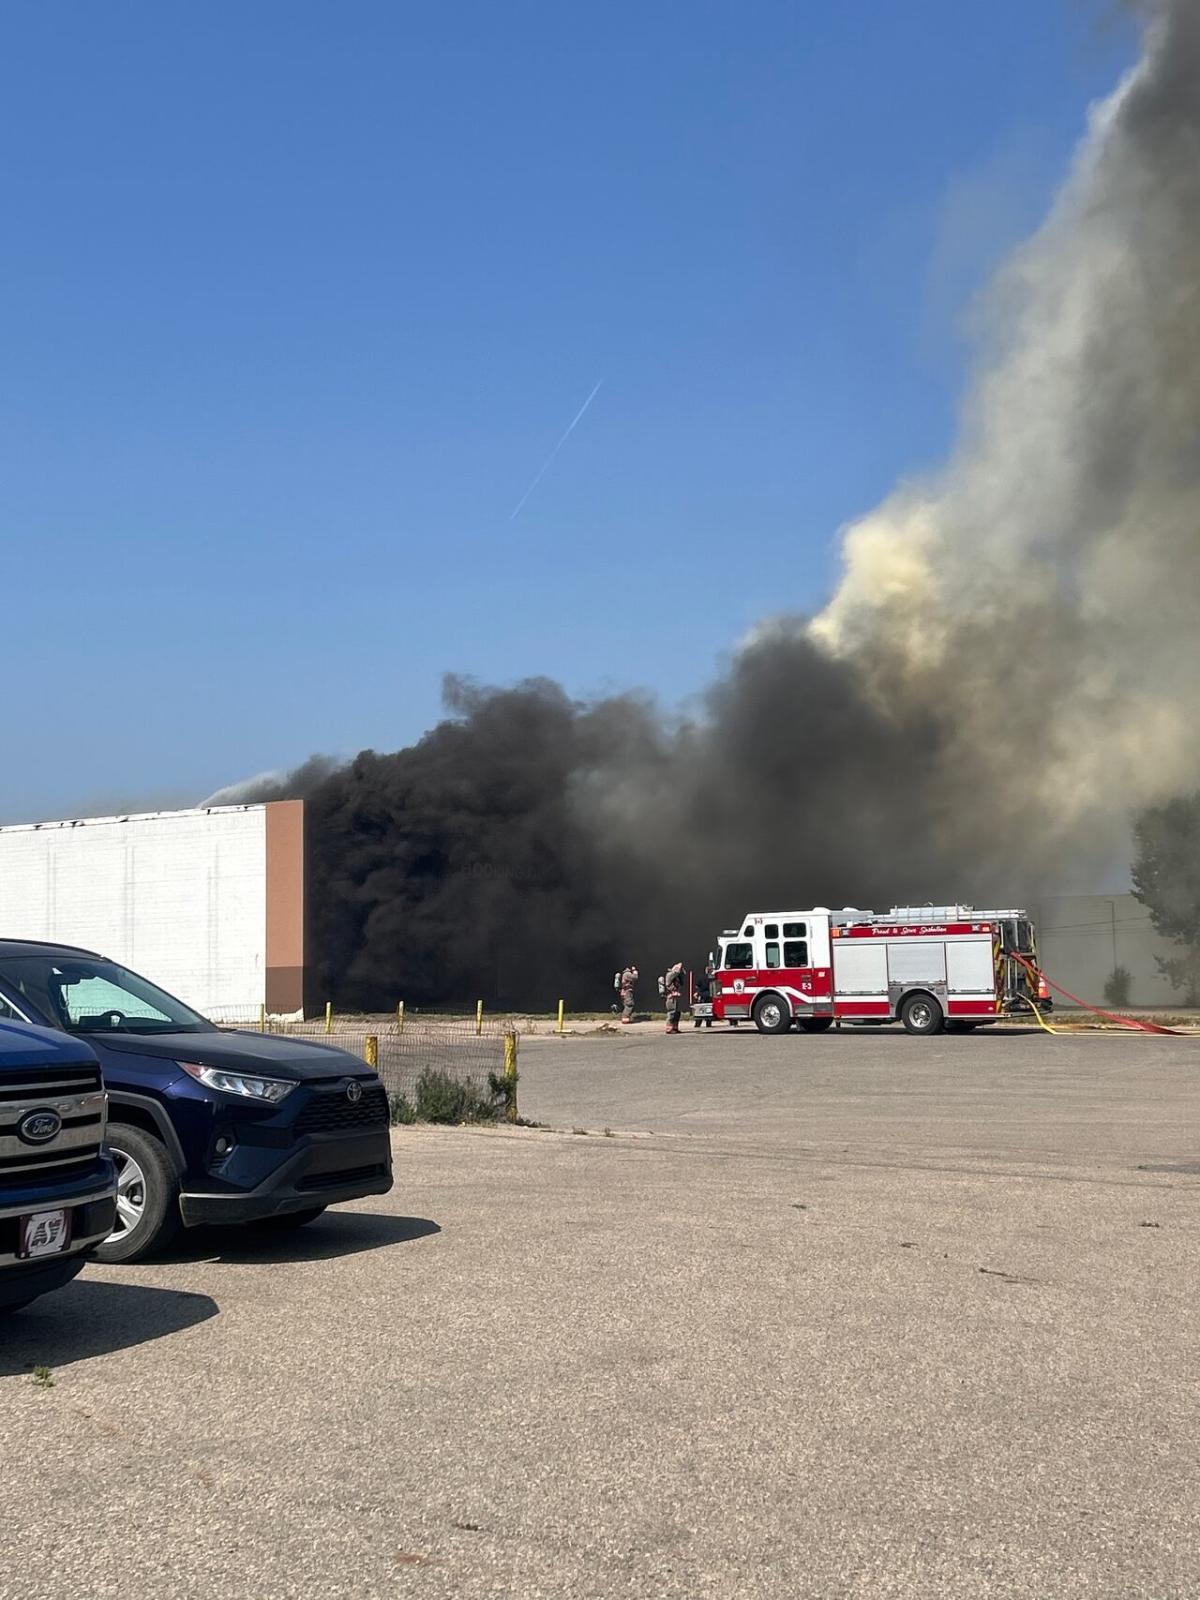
(673, 995)
(626, 982)
(703, 996)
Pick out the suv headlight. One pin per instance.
(247, 1084)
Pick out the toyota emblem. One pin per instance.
(353, 1092)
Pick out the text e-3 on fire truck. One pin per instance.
(929, 967)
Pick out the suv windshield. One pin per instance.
(85, 994)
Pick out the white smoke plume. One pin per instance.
(1043, 595)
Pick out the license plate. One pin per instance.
(45, 1233)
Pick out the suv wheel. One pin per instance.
(147, 1196)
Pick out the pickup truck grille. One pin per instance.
(65, 1164)
(76, 1095)
(39, 1085)
(329, 1111)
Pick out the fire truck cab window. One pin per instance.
(771, 931)
(747, 932)
(795, 952)
(795, 930)
(772, 955)
(739, 956)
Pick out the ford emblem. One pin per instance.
(354, 1092)
(39, 1127)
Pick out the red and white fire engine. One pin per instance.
(929, 967)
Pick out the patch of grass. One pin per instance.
(582, 1132)
(504, 1089)
(443, 1098)
(43, 1378)
(401, 1110)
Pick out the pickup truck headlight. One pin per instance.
(247, 1084)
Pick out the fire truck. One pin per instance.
(929, 967)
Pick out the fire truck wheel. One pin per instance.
(921, 1013)
(816, 1024)
(771, 1015)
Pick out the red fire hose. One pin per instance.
(1109, 1016)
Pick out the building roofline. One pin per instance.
(131, 816)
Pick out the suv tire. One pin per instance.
(921, 1013)
(147, 1196)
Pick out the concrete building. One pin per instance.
(1082, 938)
(209, 903)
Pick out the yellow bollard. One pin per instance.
(329, 1016)
(371, 1051)
(400, 1017)
(262, 1018)
(510, 1077)
(479, 1016)
(561, 1004)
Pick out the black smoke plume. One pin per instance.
(529, 844)
(1007, 671)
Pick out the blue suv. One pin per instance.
(205, 1125)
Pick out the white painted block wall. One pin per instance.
(180, 896)
(1081, 938)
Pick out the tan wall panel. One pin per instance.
(285, 905)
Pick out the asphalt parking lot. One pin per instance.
(848, 1315)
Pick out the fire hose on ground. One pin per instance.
(1095, 1011)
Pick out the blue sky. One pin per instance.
(297, 298)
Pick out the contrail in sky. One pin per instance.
(550, 458)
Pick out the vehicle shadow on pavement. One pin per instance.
(337, 1233)
(91, 1317)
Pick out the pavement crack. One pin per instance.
(1008, 1277)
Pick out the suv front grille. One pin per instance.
(329, 1111)
(334, 1180)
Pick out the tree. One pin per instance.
(1166, 879)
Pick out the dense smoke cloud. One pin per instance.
(1006, 671)
(1044, 593)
